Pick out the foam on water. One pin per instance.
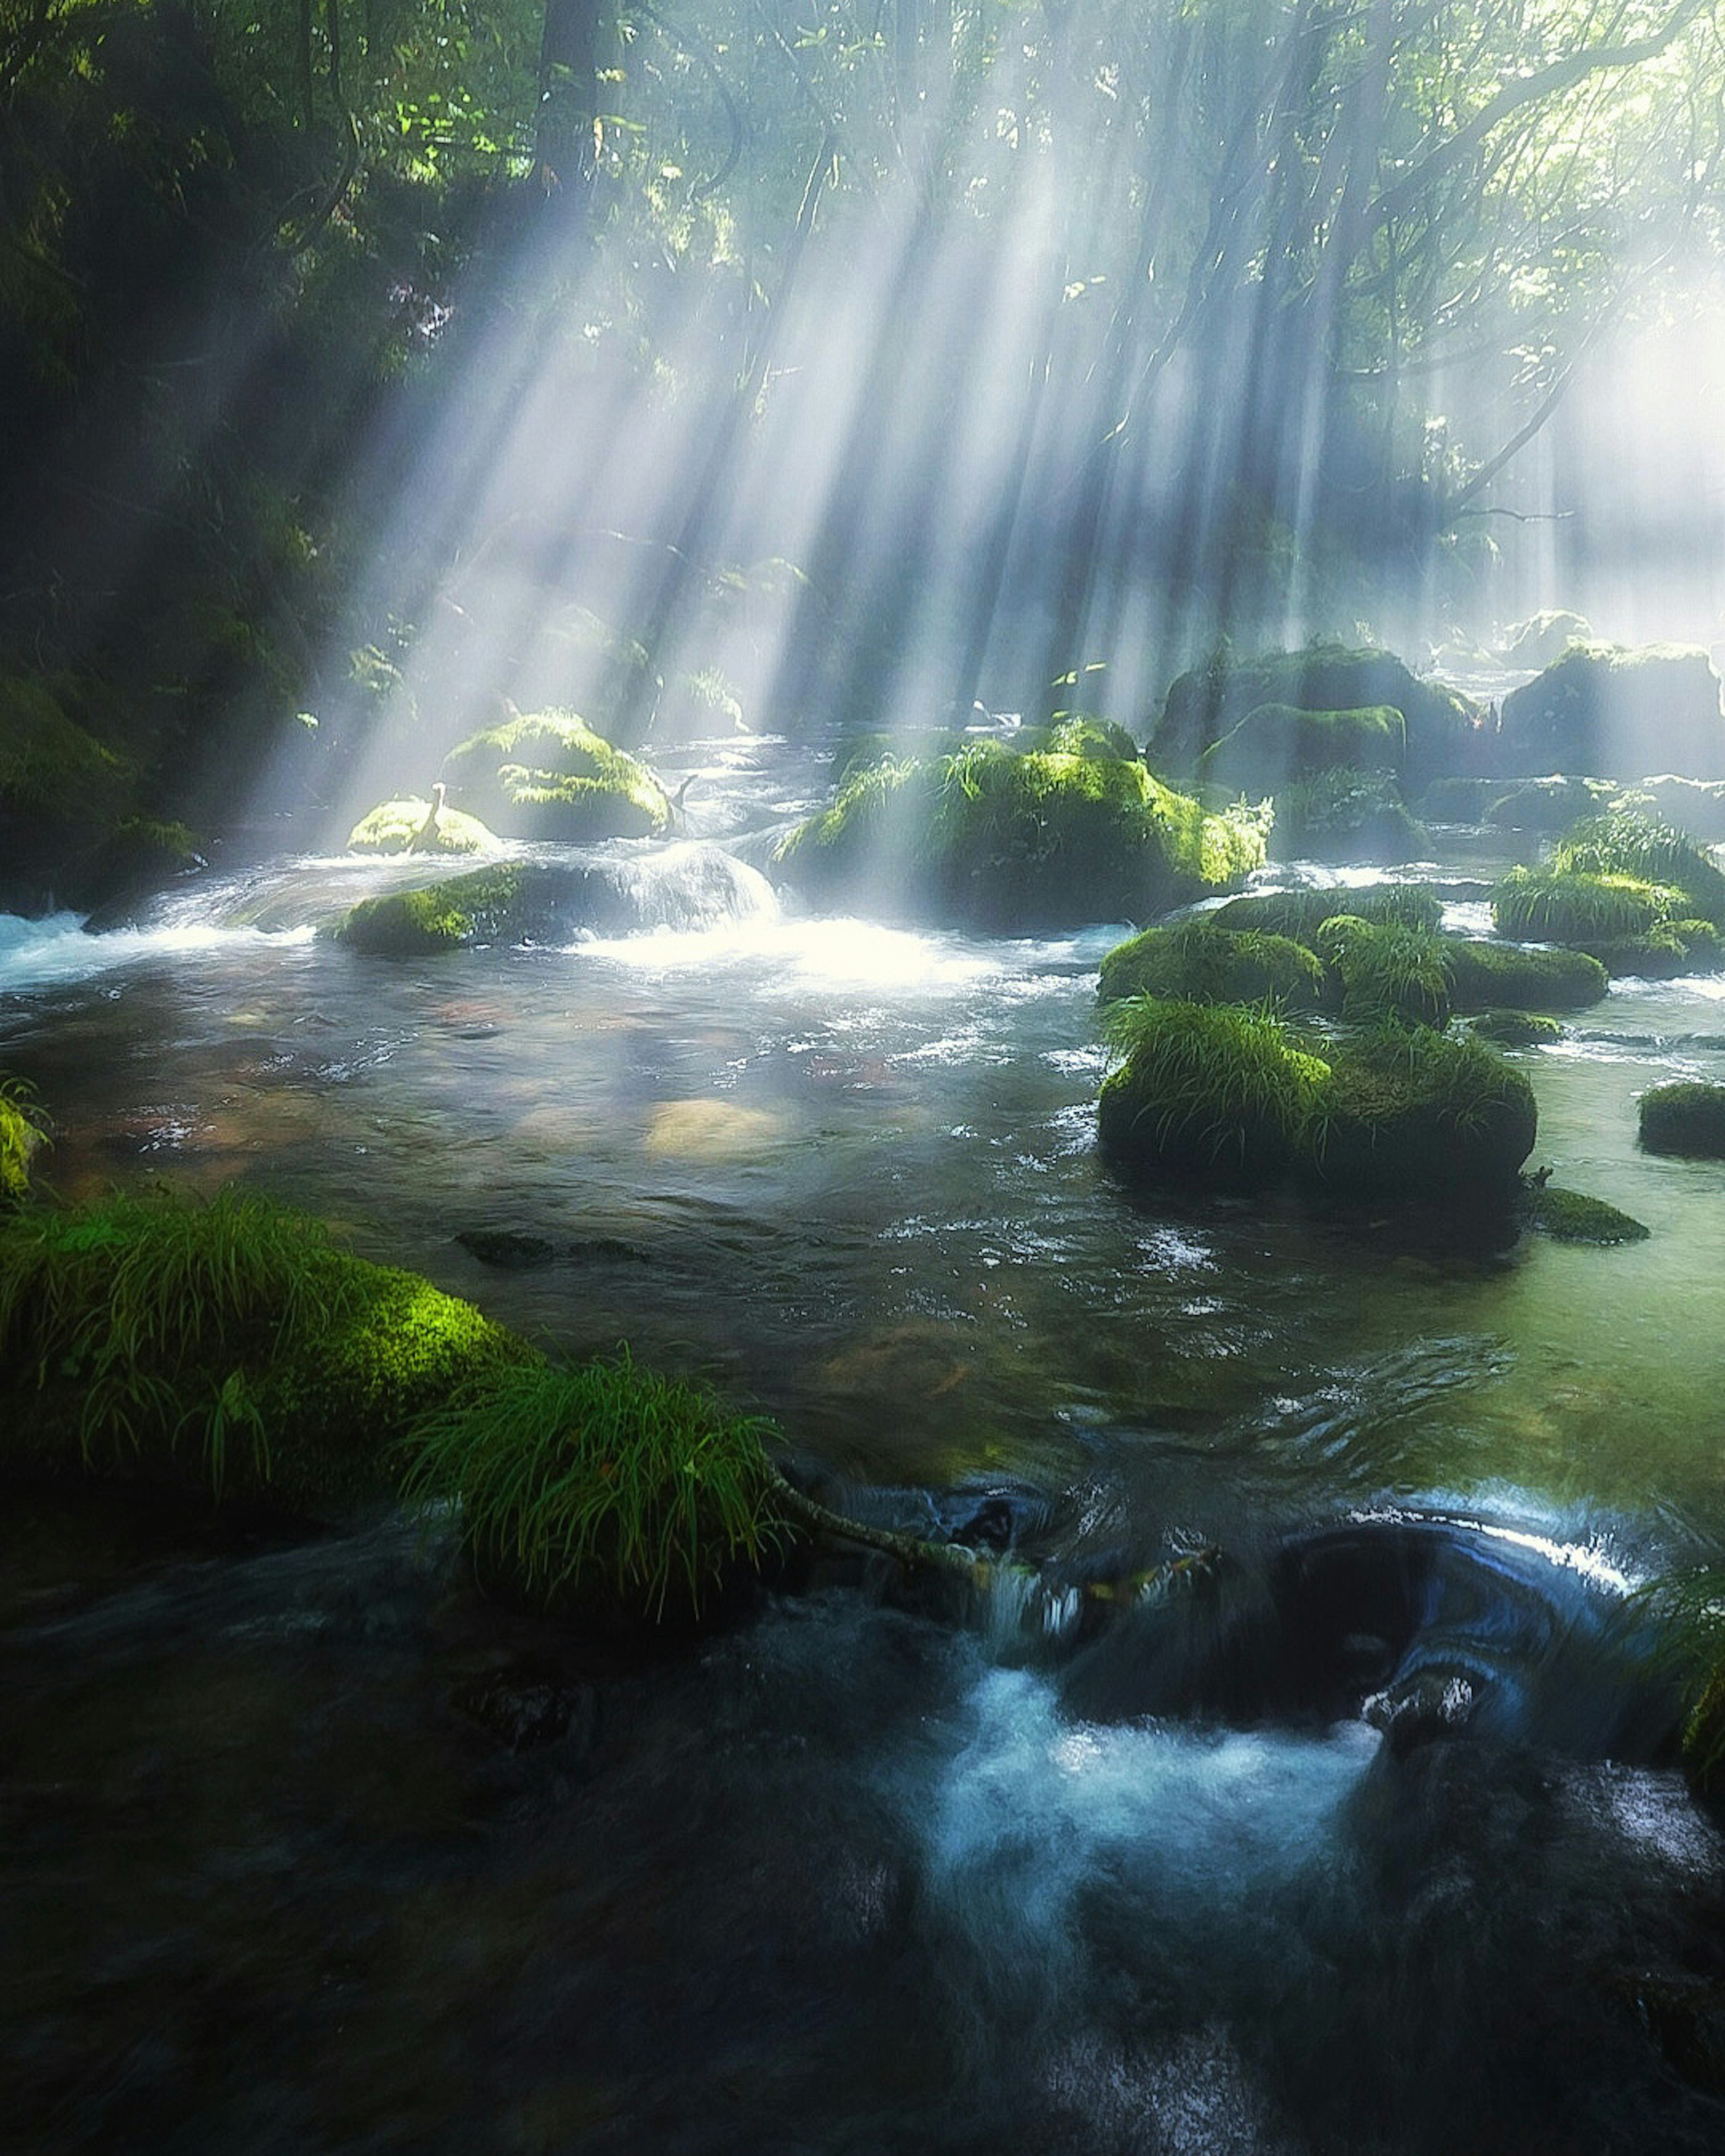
(55, 950)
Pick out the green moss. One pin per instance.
(220, 1347)
(1515, 1028)
(1206, 1092)
(1665, 953)
(398, 827)
(1544, 804)
(1005, 841)
(1616, 712)
(551, 776)
(1422, 1114)
(1347, 816)
(1567, 1216)
(1077, 736)
(1623, 844)
(1275, 745)
(1687, 1118)
(1565, 906)
(1300, 914)
(51, 766)
(1484, 976)
(21, 1132)
(1194, 961)
(435, 917)
(1386, 970)
(601, 1487)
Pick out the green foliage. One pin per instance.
(1484, 974)
(22, 1129)
(1686, 1118)
(1387, 971)
(1003, 840)
(1074, 734)
(1621, 843)
(1567, 1216)
(1346, 815)
(1205, 1091)
(406, 924)
(1566, 905)
(1426, 1115)
(600, 1484)
(51, 766)
(220, 1347)
(1300, 914)
(1194, 961)
(1691, 1608)
(550, 776)
(1665, 953)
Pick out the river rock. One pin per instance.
(1612, 711)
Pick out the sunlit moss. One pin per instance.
(1386, 970)
(1565, 906)
(439, 916)
(1484, 976)
(550, 776)
(1300, 913)
(398, 827)
(21, 1134)
(1001, 840)
(1194, 961)
(1623, 844)
(1687, 1118)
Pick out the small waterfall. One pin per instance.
(692, 885)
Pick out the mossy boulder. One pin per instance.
(1300, 914)
(1346, 816)
(1195, 962)
(1484, 976)
(21, 1136)
(1546, 805)
(1515, 1028)
(1565, 906)
(1613, 711)
(408, 826)
(1443, 731)
(1569, 1216)
(1695, 807)
(1277, 745)
(1206, 1092)
(1384, 970)
(1669, 952)
(225, 1349)
(1687, 1118)
(1424, 1116)
(551, 776)
(1623, 843)
(1543, 637)
(991, 839)
(1075, 734)
(434, 918)
(142, 856)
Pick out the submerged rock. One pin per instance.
(1569, 1216)
(1613, 711)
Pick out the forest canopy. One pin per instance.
(848, 358)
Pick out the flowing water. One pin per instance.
(1363, 1835)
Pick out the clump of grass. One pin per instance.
(599, 1482)
(1687, 1118)
(1415, 1113)
(1195, 962)
(1690, 1607)
(1205, 1089)
(1300, 914)
(1387, 971)
(1570, 906)
(1622, 842)
(23, 1128)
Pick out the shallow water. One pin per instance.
(866, 1873)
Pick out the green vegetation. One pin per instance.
(1194, 961)
(1205, 1091)
(1004, 841)
(1300, 914)
(1275, 745)
(1075, 735)
(1564, 905)
(401, 827)
(1515, 1028)
(1484, 974)
(1621, 843)
(1567, 1216)
(1687, 1118)
(1347, 816)
(1664, 953)
(598, 1485)
(1386, 971)
(475, 908)
(1420, 1114)
(226, 1348)
(1544, 804)
(550, 776)
(22, 1130)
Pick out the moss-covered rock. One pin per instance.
(1569, 1216)
(409, 826)
(550, 776)
(1485, 975)
(1687, 1118)
(1384, 970)
(21, 1136)
(1347, 816)
(1515, 1028)
(1424, 1116)
(1543, 637)
(1623, 843)
(1077, 736)
(139, 857)
(1300, 914)
(1276, 746)
(1693, 806)
(995, 839)
(1444, 730)
(1665, 953)
(1567, 906)
(1614, 712)
(1195, 962)
(1547, 805)
(415, 924)
(1206, 1092)
(226, 1348)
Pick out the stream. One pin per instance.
(1366, 1837)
